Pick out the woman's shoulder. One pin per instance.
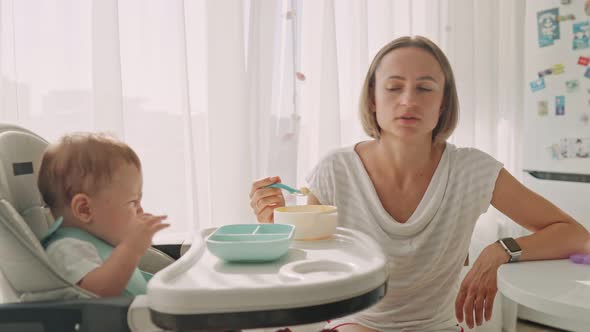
(337, 161)
(340, 155)
(463, 152)
(469, 157)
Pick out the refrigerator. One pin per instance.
(556, 141)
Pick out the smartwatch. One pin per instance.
(512, 248)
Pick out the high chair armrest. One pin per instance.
(89, 315)
(158, 257)
(154, 260)
(172, 250)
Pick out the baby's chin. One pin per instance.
(110, 235)
(115, 241)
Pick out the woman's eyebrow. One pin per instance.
(421, 78)
(426, 78)
(396, 77)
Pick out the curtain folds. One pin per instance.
(205, 91)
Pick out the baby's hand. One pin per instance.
(139, 237)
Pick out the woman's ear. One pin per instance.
(81, 208)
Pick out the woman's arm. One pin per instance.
(555, 234)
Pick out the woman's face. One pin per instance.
(409, 88)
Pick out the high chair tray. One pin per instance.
(314, 281)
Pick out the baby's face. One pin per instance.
(117, 205)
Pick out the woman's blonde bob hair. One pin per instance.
(450, 103)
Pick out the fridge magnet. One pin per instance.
(545, 72)
(581, 36)
(547, 26)
(572, 85)
(557, 69)
(587, 7)
(559, 150)
(583, 61)
(587, 73)
(581, 147)
(566, 2)
(569, 17)
(555, 152)
(559, 105)
(571, 147)
(585, 118)
(542, 108)
(538, 84)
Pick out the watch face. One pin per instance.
(511, 244)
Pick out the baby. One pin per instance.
(93, 186)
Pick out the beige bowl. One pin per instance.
(312, 222)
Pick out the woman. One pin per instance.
(419, 197)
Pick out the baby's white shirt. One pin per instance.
(73, 258)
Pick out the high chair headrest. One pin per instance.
(20, 157)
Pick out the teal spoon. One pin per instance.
(298, 192)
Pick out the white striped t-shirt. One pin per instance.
(426, 253)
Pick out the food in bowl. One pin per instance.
(312, 222)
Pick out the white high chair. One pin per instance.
(314, 282)
(41, 297)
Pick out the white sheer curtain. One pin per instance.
(168, 77)
(205, 90)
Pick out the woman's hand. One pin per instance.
(479, 287)
(264, 200)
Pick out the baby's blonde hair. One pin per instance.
(80, 163)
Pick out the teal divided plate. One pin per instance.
(251, 242)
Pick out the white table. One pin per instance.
(557, 287)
